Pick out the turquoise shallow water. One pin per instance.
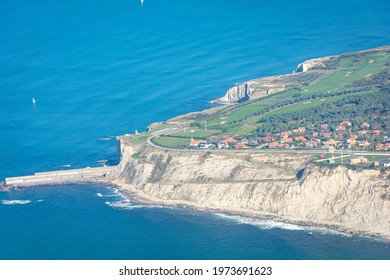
(101, 68)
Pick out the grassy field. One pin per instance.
(171, 142)
(196, 133)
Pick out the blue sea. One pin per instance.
(99, 68)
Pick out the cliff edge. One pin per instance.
(284, 187)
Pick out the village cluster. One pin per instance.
(342, 136)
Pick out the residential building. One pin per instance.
(299, 130)
(275, 145)
(230, 140)
(222, 145)
(364, 144)
(351, 140)
(311, 144)
(376, 132)
(362, 132)
(196, 143)
(330, 143)
(340, 127)
(300, 139)
(286, 140)
(358, 160)
(382, 146)
(324, 126)
(240, 145)
(285, 133)
(267, 139)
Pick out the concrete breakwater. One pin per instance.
(82, 175)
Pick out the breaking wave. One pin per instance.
(261, 223)
(126, 204)
(111, 195)
(14, 202)
(270, 224)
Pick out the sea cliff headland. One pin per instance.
(289, 184)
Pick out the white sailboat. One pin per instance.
(142, 2)
(33, 100)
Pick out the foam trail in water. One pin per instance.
(14, 202)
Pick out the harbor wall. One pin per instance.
(83, 175)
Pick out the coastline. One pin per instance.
(149, 200)
(138, 196)
(283, 187)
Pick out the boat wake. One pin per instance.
(14, 202)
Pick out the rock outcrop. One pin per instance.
(303, 74)
(286, 187)
(264, 86)
(316, 63)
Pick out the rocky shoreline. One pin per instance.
(308, 225)
(260, 186)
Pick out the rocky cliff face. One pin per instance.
(264, 86)
(252, 89)
(286, 187)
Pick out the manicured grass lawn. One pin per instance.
(243, 129)
(195, 132)
(355, 72)
(244, 112)
(171, 142)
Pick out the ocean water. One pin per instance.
(103, 68)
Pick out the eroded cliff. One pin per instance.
(286, 187)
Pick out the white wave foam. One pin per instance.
(261, 223)
(14, 202)
(269, 224)
(126, 204)
(99, 194)
(323, 230)
(40, 200)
